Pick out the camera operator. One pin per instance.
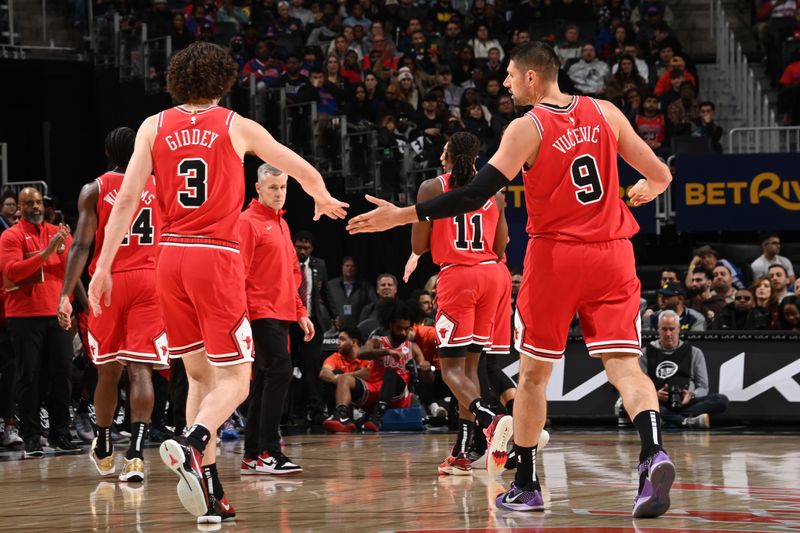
(679, 373)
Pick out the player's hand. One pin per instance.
(100, 291)
(663, 394)
(65, 313)
(385, 216)
(411, 266)
(425, 365)
(642, 193)
(306, 325)
(397, 355)
(330, 207)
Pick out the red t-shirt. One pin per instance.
(651, 128)
(791, 74)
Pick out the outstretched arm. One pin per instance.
(255, 139)
(79, 251)
(519, 145)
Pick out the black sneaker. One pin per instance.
(61, 443)
(33, 447)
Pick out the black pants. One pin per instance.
(178, 393)
(712, 404)
(8, 374)
(41, 345)
(433, 392)
(273, 373)
(308, 356)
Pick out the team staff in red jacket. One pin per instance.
(32, 258)
(273, 302)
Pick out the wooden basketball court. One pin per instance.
(388, 482)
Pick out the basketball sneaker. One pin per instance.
(276, 464)
(517, 499)
(63, 443)
(185, 460)
(132, 470)
(374, 422)
(248, 467)
(339, 425)
(657, 474)
(498, 434)
(219, 510)
(33, 448)
(459, 465)
(702, 421)
(479, 461)
(104, 466)
(10, 436)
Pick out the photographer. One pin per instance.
(679, 373)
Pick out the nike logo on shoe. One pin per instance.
(512, 500)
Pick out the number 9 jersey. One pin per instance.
(572, 190)
(199, 177)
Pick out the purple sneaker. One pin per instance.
(517, 499)
(653, 499)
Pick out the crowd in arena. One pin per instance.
(416, 72)
(711, 293)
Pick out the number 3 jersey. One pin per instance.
(137, 250)
(572, 191)
(199, 178)
(465, 239)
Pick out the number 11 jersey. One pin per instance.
(199, 178)
(465, 239)
(572, 191)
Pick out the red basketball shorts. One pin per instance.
(501, 331)
(596, 280)
(372, 391)
(131, 329)
(202, 297)
(468, 298)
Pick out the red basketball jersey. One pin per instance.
(137, 250)
(199, 177)
(465, 239)
(572, 190)
(379, 365)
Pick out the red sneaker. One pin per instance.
(498, 434)
(459, 465)
(185, 460)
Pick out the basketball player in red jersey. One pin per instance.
(567, 147)
(130, 332)
(466, 248)
(196, 151)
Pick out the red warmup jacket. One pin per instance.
(270, 265)
(17, 242)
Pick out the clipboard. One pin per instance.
(36, 277)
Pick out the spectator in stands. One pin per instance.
(626, 78)
(450, 44)
(789, 93)
(293, 80)
(8, 211)
(482, 43)
(232, 14)
(33, 256)
(381, 61)
(323, 35)
(408, 10)
(779, 279)
(440, 13)
(475, 122)
(676, 64)
(702, 298)
(589, 74)
(408, 87)
(673, 298)
(632, 106)
(357, 17)
(351, 71)
(765, 299)
(673, 94)
(684, 111)
(771, 247)
(394, 104)
(669, 275)
(707, 258)
(501, 119)
(159, 19)
(651, 126)
(386, 287)
(723, 282)
(569, 50)
(662, 61)
(632, 49)
(262, 12)
(430, 121)
(704, 126)
(789, 314)
(679, 373)
(350, 295)
(742, 314)
(198, 20)
(181, 36)
(314, 293)
(302, 14)
(606, 11)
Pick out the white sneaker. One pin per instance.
(698, 422)
(10, 437)
(280, 464)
